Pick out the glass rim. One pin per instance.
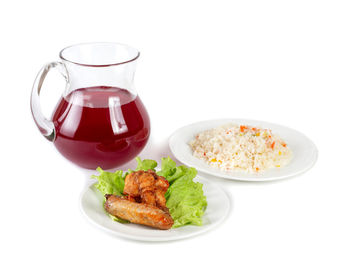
(132, 58)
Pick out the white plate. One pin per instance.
(217, 210)
(304, 150)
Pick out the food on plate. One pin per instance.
(169, 194)
(143, 201)
(241, 147)
(138, 213)
(147, 187)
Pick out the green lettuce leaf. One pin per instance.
(109, 183)
(167, 168)
(185, 198)
(146, 164)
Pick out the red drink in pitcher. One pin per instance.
(100, 126)
(99, 120)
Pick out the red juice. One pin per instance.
(100, 126)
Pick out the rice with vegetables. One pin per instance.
(241, 147)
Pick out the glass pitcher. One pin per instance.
(99, 120)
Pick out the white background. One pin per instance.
(286, 62)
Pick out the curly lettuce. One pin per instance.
(185, 198)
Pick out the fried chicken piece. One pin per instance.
(144, 202)
(148, 186)
(131, 186)
(138, 213)
(161, 186)
(147, 181)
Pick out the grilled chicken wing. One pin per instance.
(146, 181)
(138, 213)
(148, 186)
(131, 186)
(161, 186)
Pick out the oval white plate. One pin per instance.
(217, 210)
(304, 150)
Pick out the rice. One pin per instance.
(241, 147)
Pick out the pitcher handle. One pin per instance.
(45, 125)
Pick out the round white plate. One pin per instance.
(217, 210)
(304, 150)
